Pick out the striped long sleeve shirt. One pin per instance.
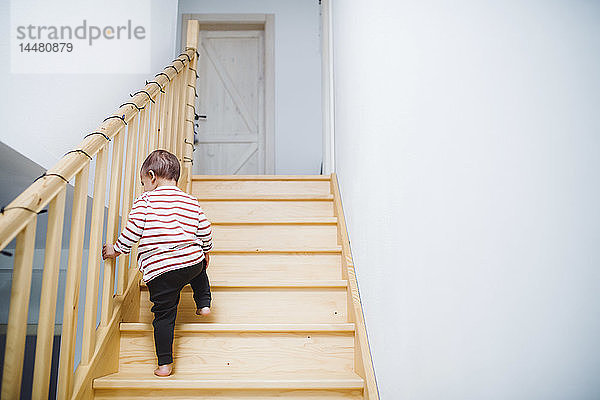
(171, 228)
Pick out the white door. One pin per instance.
(231, 140)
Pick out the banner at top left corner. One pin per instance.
(67, 36)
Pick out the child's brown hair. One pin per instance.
(163, 163)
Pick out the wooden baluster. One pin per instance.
(128, 187)
(161, 118)
(152, 131)
(94, 257)
(141, 156)
(69, 328)
(112, 228)
(144, 128)
(142, 152)
(182, 113)
(17, 316)
(147, 129)
(168, 124)
(177, 96)
(133, 254)
(188, 152)
(185, 148)
(181, 106)
(189, 145)
(151, 126)
(45, 330)
(189, 128)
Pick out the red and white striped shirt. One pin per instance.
(172, 230)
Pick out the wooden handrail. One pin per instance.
(153, 118)
(41, 192)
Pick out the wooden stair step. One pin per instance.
(278, 221)
(260, 209)
(275, 236)
(238, 345)
(224, 267)
(262, 197)
(232, 391)
(144, 379)
(289, 178)
(216, 327)
(250, 284)
(264, 302)
(203, 350)
(308, 185)
(281, 250)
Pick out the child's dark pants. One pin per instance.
(164, 293)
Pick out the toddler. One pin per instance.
(174, 240)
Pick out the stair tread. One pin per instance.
(330, 249)
(310, 283)
(250, 380)
(276, 221)
(274, 197)
(222, 327)
(261, 177)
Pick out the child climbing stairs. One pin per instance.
(286, 320)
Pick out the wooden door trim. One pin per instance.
(327, 92)
(250, 22)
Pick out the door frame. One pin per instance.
(264, 22)
(327, 87)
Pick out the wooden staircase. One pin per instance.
(285, 319)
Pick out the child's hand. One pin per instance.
(207, 258)
(108, 251)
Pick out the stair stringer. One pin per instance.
(362, 358)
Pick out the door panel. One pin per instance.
(231, 95)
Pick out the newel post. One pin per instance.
(190, 112)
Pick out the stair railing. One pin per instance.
(159, 116)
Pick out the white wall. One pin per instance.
(297, 75)
(45, 115)
(467, 148)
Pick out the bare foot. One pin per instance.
(163, 370)
(204, 311)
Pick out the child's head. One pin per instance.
(159, 167)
